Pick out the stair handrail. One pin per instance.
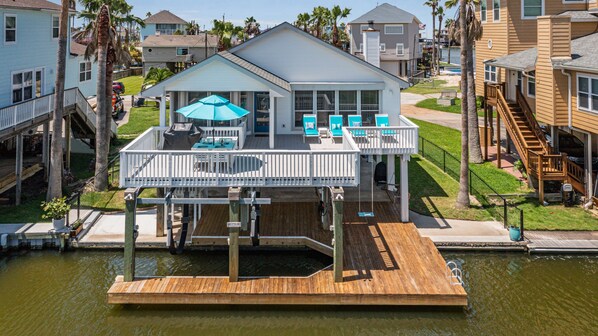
(532, 121)
(503, 109)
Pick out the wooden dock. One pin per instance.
(385, 263)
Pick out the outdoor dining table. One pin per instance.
(216, 144)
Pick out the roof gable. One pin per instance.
(30, 4)
(386, 13)
(300, 57)
(165, 16)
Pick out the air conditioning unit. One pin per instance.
(188, 58)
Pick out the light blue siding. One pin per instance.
(148, 30)
(89, 87)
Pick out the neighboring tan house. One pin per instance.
(398, 49)
(162, 23)
(177, 52)
(546, 84)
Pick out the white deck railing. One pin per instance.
(144, 164)
(14, 115)
(239, 132)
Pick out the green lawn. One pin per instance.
(432, 86)
(537, 217)
(132, 84)
(431, 104)
(140, 119)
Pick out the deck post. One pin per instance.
(160, 210)
(18, 167)
(324, 197)
(390, 173)
(338, 196)
(163, 109)
(404, 184)
(272, 129)
(234, 226)
(130, 232)
(485, 130)
(46, 150)
(498, 163)
(67, 142)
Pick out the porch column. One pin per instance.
(588, 166)
(338, 196)
(390, 172)
(234, 226)
(46, 149)
(163, 109)
(130, 232)
(404, 185)
(272, 125)
(18, 167)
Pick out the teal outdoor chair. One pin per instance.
(355, 121)
(335, 126)
(382, 121)
(310, 127)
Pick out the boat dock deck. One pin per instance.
(385, 263)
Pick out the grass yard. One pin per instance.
(537, 217)
(431, 104)
(433, 86)
(140, 119)
(132, 84)
(111, 200)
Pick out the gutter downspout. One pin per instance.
(569, 100)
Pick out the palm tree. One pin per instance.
(251, 29)
(440, 14)
(148, 14)
(473, 31)
(303, 21)
(433, 4)
(319, 17)
(156, 75)
(55, 176)
(105, 18)
(336, 14)
(225, 31)
(192, 28)
(448, 25)
(463, 195)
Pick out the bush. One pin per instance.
(57, 208)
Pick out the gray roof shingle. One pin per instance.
(30, 4)
(386, 13)
(581, 16)
(270, 77)
(198, 41)
(165, 17)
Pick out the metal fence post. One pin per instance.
(470, 182)
(505, 212)
(521, 223)
(444, 160)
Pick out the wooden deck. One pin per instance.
(385, 263)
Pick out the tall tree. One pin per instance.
(440, 14)
(320, 16)
(303, 20)
(336, 14)
(463, 195)
(225, 30)
(55, 176)
(251, 28)
(448, 25)
(433, 4)
(192, 28)
(148, 14)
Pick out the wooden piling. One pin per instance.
(338, 197)
(234, 226)
(130, 232)
(19, 168)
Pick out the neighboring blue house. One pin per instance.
(162, 23)
(28, 52)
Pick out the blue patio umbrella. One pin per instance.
(213, 108)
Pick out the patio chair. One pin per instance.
(335, 126)
(310, 127)
(382, 121)
(355, 121)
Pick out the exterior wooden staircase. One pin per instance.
(538, 157)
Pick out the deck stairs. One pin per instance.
(538, 157)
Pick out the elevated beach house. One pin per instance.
(177, 52)
(388, 37)
(28, 59)
(537, 67)
(162, 23)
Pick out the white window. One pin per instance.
(10, 28)
(530, 9)
(400, 49)
(304, 104)
(496, 10)
(382, 47)
(490, 73)
(587, 93)
(84, 71)
(22, 86)
(393, 29)
(180, 51)
(325, 105)
(55, 26)
(363, 27)
(370, 106)
(483, 11)
(531, 85)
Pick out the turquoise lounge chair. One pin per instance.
(310, 127)
(382, 121)
(355, 121)
(335, 126)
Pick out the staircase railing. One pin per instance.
(491, 92)
(511, 126)
(576, 176)
(532, 122)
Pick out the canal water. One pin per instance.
(48, 293)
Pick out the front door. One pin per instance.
(512, 86)
(262, 112)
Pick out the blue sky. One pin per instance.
(269, 12)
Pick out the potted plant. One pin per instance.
(56, 209)
(514, 233)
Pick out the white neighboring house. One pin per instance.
(279, 76)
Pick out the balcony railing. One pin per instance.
(402, 139)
